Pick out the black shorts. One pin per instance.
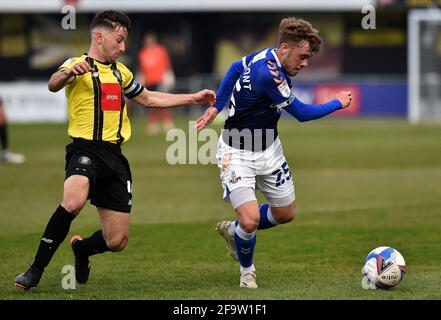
(108, 171)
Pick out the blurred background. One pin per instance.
(203, 38)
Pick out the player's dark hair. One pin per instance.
(111, 19)
(299, 30)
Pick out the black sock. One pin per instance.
(4, 136)
(55, 233)
(93, 245)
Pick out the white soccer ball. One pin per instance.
(384, 268)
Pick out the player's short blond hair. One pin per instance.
(297, 31)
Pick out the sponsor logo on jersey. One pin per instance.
(284, 89)
(110, 97)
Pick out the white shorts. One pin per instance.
(265, 170)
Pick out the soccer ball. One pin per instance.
(384, 267)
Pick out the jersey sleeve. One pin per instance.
(69, 63)
(227, 85)
(131, 87)
(247, 59)
(306, 112)
(229, 80)
(273, 84)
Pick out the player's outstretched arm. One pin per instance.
(155, 99)
(306, 112)
(60, 78)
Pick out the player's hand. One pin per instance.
(205, 97)
(80, 68)
(345, 97)
(206, 118)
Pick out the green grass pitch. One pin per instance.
(360, 184)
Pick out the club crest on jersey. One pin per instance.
(84, 160)
(284, 89)
(234, 179)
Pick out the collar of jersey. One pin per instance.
(104, 63)
(273, 51)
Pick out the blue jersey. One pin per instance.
(256, 90)
(259, 95)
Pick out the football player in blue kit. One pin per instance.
(250, 155)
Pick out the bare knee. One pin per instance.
(72, 205)
(290, 215)
(249, 224)
(248, 216)
(117, 243)
(285, 214)
(76, 190)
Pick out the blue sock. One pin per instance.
(266, 218)
(245, 243)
